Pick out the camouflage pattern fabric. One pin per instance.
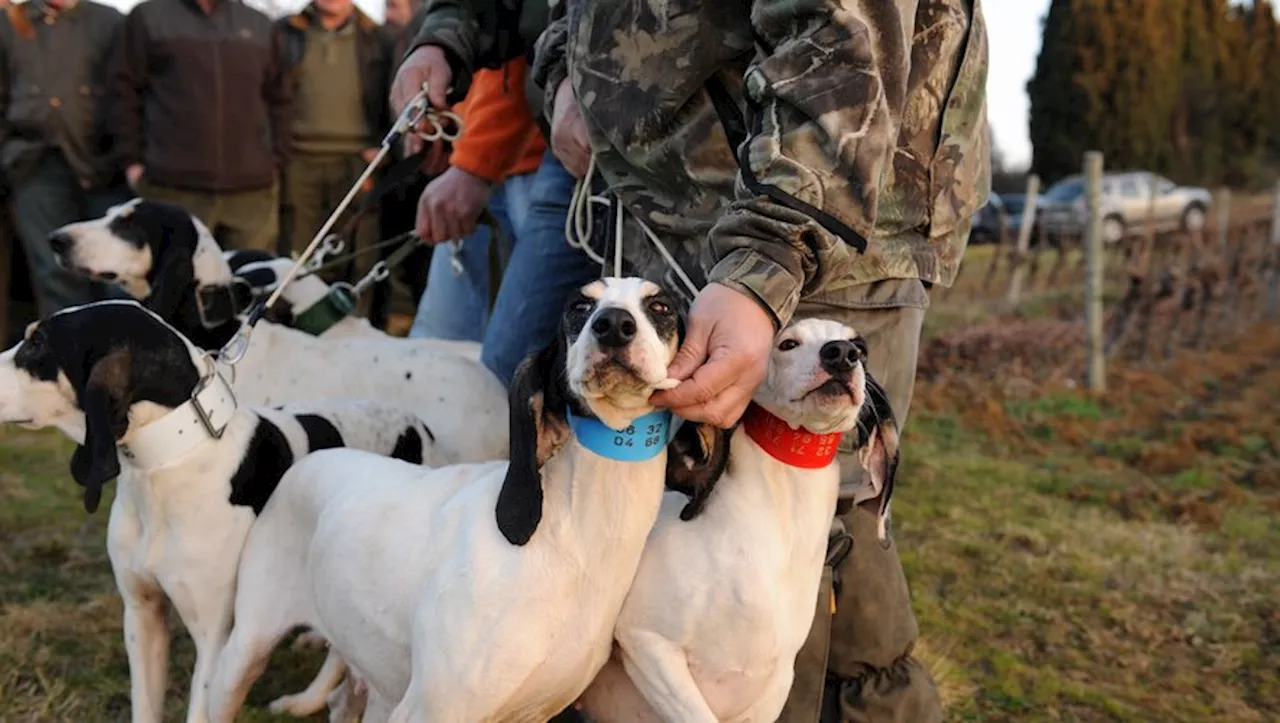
(870, 113)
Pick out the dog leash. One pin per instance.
(417, 112)
(579, 227)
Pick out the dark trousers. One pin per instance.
(238, 220)
(43, 199)
(314, 185)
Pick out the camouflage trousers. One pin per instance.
(861, 655)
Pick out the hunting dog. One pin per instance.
(308, 302)
(163, 256)
(500, 598)
(195, 468)
(721, 604)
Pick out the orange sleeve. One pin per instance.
(496, 124)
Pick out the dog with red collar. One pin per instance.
(723, 600)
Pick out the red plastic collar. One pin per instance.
(795, 447)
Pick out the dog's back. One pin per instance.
(372, 426)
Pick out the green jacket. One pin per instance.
(865, 149)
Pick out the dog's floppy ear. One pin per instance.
(171, 277)
(538, 430)
(104, 399)
(696, 458)
(171, 232)
(878, 447)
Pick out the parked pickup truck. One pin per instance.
(1126, 197)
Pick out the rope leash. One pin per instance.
(417, 112)
(581, 219)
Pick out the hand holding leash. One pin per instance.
(418, 118)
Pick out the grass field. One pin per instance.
(1070, 558)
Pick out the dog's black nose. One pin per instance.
(614, 328)
(839, 357)
(59, 241)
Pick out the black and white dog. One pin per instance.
(308, 302)
(500, 600)
(721, 604)
(163, 256)
(194, 467)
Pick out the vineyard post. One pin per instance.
(1222, 203)
(1024, 242)
(1274, 252)
(1093, 249)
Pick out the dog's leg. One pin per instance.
(241, 662)
(207, 614)
(660, 671)
(349, 702)
(146, 641)
(311, 700)
(377, 709)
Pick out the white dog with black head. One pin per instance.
(195, 468)
(162, 255)
(723, 601)
(477, 592)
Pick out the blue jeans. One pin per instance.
(542, 272)
(455, 305)
(45, 198)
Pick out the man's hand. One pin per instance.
(369, 154)
(133, 174)
(725, 356)
(427, 64)
(450, 205)
(569, 133)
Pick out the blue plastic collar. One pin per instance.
(642, 440)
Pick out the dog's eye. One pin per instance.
(658, 307)
(581, 305)
(788, 345)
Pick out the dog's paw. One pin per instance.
(298, 705)
(667, 383)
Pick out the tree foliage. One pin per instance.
(1182, 87)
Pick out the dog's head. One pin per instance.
(95, 371)
(262, 273)
(616, 339)
(818, 381)
(159, 253)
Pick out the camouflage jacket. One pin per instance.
(785, 148)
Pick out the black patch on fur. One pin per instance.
(519, 507)
(170, 232)
(876, 412)
(321, 434)
(694, 470)
(244, 257)
(265, 461)
(74, 342)
(409, 446)
(259, 278)
(661, 310)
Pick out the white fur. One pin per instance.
(305, 291)
(722, 603)
(173, 537)
(405, 572)
(462, 402)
